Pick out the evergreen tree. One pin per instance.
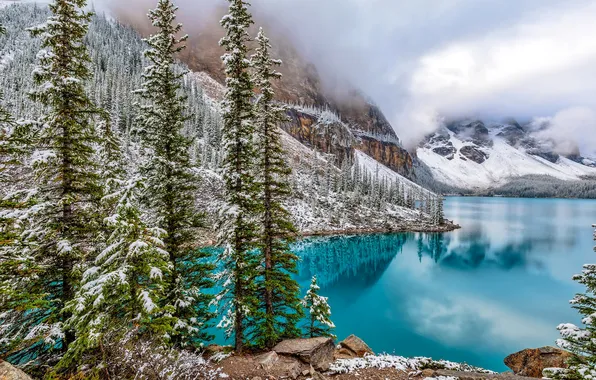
(124, 287)
(440, 212)
(581, 340)
(62, 222)
(279, 310)
(15, 266)
(318, 312)
(238, 227)
(171, 180)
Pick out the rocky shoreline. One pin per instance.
(370, 231)
(209, 239)
(321, 359)
(352, 358)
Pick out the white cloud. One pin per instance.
(463, 321)
(572, 128)
(417, 59)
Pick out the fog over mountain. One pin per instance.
(423, 60)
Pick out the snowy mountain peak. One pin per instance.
(473, 154)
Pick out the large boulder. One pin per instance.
(9, 372)
(317, 352)
(531, 362)
(355, 346)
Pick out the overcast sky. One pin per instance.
(421, 59)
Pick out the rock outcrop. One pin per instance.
(317, 352)
(531, 362)
(328, 137)
(9, 372)
(473, 154)
(388, 153)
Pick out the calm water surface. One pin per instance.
(498, 285)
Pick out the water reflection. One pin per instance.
(500, 284)
(348, 259)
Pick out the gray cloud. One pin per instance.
(419, 60)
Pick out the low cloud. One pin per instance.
(572, 130)
(430, 58)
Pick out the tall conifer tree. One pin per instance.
(280, 309)
(171, 180)
(124, 287)
(238, 227)
(581, 339)
(58, 229)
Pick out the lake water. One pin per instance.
(498, 285)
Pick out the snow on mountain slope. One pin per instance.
(373, 166)
(491, 159)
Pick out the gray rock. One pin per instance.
(474, 154)
(289, 366)
(267, 360)
(445, 151)
(9, 372)
(315, 351)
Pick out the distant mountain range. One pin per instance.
(478, 156)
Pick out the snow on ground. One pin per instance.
(400, 363)
(504, 163)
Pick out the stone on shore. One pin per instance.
(9, 372)
(267, 360)
(354, 347)
(531, 362)
(317, 352)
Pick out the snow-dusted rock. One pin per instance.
(531, 362)
(354, 347)
(9, 372)
(317, 352)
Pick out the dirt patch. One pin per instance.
(245, 368)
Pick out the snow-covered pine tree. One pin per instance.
(15, 264)
(171, 179)
(125, 286)
(62, 223)
(440, 212)
(238, 227)
(279, 308)
(581, 340)
(318, 312)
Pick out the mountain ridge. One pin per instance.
(474, 155)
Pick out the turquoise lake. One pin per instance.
(500, 284)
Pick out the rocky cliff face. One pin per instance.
(325, 136)
(302, 85)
